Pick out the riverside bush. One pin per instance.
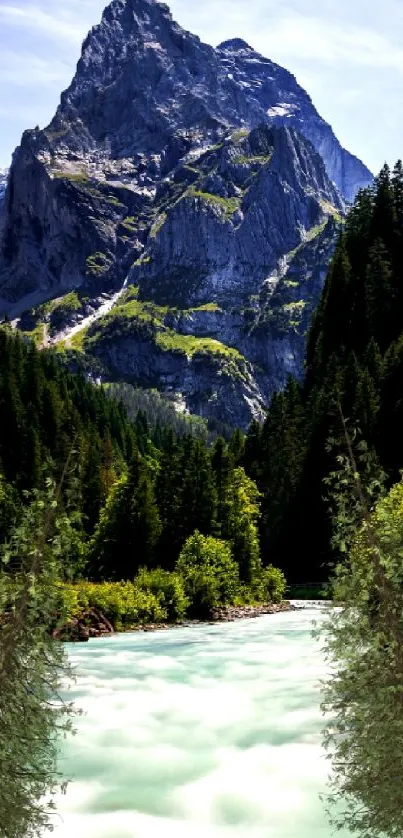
(210, 574)
(123, 603)
(270, 585)
(168, 588)
(206, 577)
(33, 666)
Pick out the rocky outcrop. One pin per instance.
(90, 623)
(252, 200)
(201, 177)
(274, 94)
(146, 95)
(3, 186)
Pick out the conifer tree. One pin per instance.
(380, 295)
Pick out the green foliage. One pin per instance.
(10, 508)
(45, 412)
(114, 201)
(160, 412)
(125, 604)
(364, 642)
(316, 230)
(240, 524)
(210, 574)
(270, 585)
(36, 334)
(228, 206)
(132, 312)
(130, 224)
(171, 341)
(98, 264)
(132, 308)
(252, 159)
(32, 666)
(239, 134)
(70, 302)
(329, 209)
(80, 178)
(169, 590)
(76, 342)
(141, 489)
(129, 526)
(55, 313)
(158, 224)
(308, 592)
(207, 307)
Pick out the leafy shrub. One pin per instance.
(203, 591)
(123, 603)
(168, 588)
(211, 577)
(273, 583)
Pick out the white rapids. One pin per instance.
(200, 732)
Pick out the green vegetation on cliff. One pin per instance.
(134, 316)
(227, 205)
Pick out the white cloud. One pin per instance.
(59, 25)
(30, 70)
(316, 41)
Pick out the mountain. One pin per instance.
(190, 195)
(3, 185)
(274, 95)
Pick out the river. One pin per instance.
(202, 732)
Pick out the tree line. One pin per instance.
(135, 505)
(354, 368)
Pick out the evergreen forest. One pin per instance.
(354, 375)
(141, 494)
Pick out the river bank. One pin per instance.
(94, 624)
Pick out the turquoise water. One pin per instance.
(202, 732)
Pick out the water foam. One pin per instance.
(203, 732)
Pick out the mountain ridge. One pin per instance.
(193, 175)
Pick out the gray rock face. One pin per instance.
(255, 199)
(208, 384)
(218, 304)
(3, 186)
(204, 178)
(274, 95)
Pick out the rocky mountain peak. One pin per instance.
(235, 45)
(199, 190)
(142, 81)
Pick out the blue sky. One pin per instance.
(348, 54)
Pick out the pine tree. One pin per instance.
(145, 520)
(380, 295)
